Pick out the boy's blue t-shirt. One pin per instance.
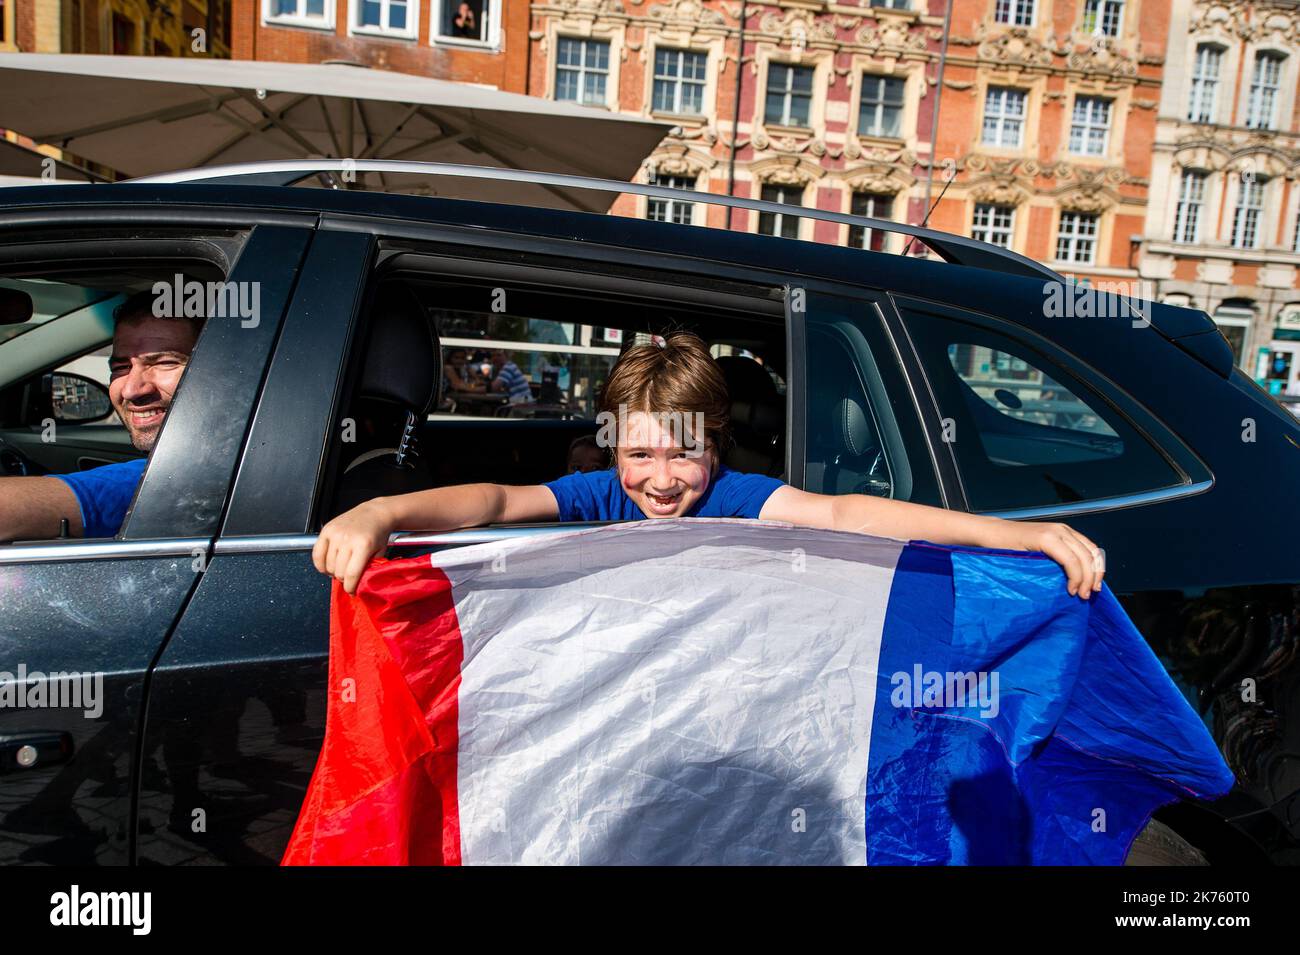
(104, 494)
(598, 496)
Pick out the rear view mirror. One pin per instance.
(15, 306)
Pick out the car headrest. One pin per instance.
(755, 402)
(855, 432)
(403, 361)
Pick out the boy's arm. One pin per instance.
(347, 543)
(882, 517)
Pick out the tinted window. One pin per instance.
(1026, 432)
(862, 435)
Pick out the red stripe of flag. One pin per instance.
(384, 789)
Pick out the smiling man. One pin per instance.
(149, 356)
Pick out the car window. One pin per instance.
(862, 435)
(1026, 432)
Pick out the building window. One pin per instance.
(679, 81)
(388, 17)
(1076, 239)
(993, 224)
(1191, 196)
(1205, 83)
(671, 210)
(1004, 116)
(1295, 239)
(892, 4)
(789, 94)
(469, 21)
(1245, 218)
(312, 13)
(1261, 108)
(123, 35)
(1103, 16)
(581, 71)
(876, 207)
(1234, 318)
(1018, 13)
(880, 111)
(780, 223)
(1090, 125)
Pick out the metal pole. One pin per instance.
(735, 114)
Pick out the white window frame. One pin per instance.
(990, 230)
(1098, 10)
(491, 15)
(1295, 238)
(872, 199)
(1089, 124)
(583, 70)
(672, 206)
(1247, 215)
(1190, 206)
(1001, 96)
(1257, 116)
(882, 81)
(1016, 13)
(891, 4)
(323, 22)
(1205, 83)
(679, 81)
(788, 94)
(1070, 230)
(779, 219)
(410, 32)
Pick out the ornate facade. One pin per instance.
(1224, 228)
(781, 121)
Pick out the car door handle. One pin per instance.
(34, 751)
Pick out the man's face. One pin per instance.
(149, 357)
(663, 478)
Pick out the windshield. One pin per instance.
(50, 300)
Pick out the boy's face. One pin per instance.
(661, 476)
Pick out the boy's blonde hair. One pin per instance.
(679, 376)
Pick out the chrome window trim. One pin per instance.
(1104, 503)
(274, 543)
(45, 552)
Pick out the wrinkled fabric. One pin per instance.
(728, 691)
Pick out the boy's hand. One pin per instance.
(1082, 560)
(347, 543)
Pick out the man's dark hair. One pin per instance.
(140, 304)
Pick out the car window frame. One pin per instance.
(1194, 473)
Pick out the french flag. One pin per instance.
(702, 691)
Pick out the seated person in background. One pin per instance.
(149, 357)
(453, 374)
(507, 377)
(585, 456)
(670, 430)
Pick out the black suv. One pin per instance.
(948, 381)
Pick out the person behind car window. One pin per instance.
(453, 374)
(585, 456)
(666, 413)
(507, 377)
(148, 358)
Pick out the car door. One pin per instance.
(83, 620)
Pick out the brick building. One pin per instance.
(831, 105)
(1224, 227)
(469, 41)
(124, 27)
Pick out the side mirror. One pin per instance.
(75, 399)
(15, 306)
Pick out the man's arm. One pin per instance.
(31, 508)
(883, 517)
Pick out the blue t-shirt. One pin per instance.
(104, 494)
(515, 382)
(598, 496)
